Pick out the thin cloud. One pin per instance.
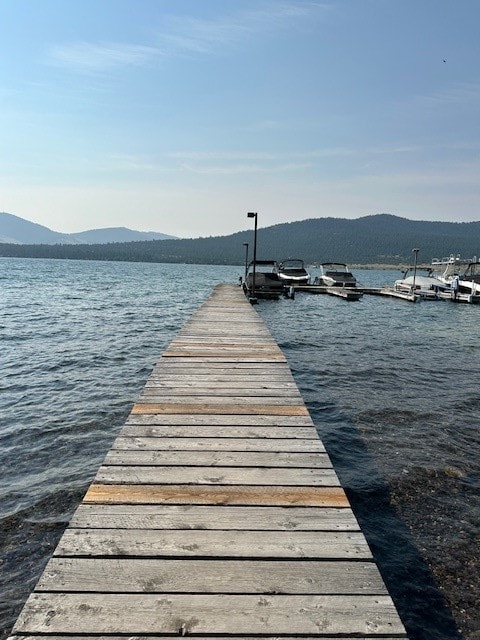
(466, 93)
(223, 155)
(305, 157)
(183, 35)
(100, 57)
(187, 35)
(243, 168)
(125, 162)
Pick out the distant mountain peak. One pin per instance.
(16, 230)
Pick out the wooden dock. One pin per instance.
(216, 512)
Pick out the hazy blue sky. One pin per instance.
(180, 116)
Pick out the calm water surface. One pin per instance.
(392, 387)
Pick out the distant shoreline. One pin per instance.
(395, 267)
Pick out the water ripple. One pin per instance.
(392, 389)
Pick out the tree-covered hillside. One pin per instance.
(375, 239)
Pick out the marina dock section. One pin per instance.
(217, 511)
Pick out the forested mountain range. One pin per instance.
(374, 239)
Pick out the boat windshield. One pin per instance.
(473, 272)
(292, 264)
(263, 266)
(334, 267)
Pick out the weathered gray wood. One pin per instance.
(239, 407)
(197, 336)
(120, 575)
(245, 402)
(349, 545)
(222, 420)
(224, 381)
(219, 614)
(245, 476)
(213, 344)
(137, 636)
(251, 357)
(159, 516)
(212, 459)
(218, 389)
(225, 431)
(188, 365)
(224, 444)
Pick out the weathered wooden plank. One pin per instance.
(234, 358)
(238, 393)
(243, 476)
(224, 444)
(232, 322)
(216, 350)
(196, 614)
(196, 336)
(235, 409)
(138, 636)
(120, 575)
(206, 344)
(217, 495)
(346, 545)
(222, 420)
(214, 459)
(224, 380)
(188, 365)
(159, 516)
(214, 400)
(194, 387)
(220, 431)
(258, 374)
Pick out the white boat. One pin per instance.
(422, 283)
(447, 268)
(469, 282)
(463, 277)
(292, 271)
(335, 274)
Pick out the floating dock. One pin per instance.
(216, 512)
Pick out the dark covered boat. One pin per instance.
(267, 282)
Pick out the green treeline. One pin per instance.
(377, 239)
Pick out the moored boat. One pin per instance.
(267, 284)
(335, 274)
(422, 283)
(292, 271)
(469, 283)
(462, 276)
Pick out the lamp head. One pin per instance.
(250, 214)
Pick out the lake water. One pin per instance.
(392, 387)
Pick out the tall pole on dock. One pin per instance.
(250, 214)
(245, 244)
(415, 251)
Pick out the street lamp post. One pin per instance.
(415, 251)
(245, 244)
(250, 214)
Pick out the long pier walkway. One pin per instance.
(216, 511)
